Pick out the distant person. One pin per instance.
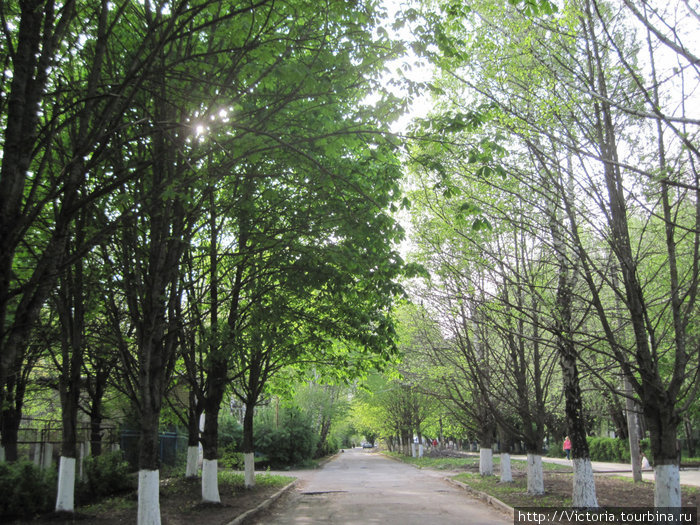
(645, 462)
(435, 443)
(567, 447)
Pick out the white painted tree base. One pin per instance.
(506, 472)
(65, 491)
(249, 472)
(535, 476)
(486, 462)
(192, 460)
(149, 502)
(2, 454)
(584, 494)
(210, 481)
(667, 486)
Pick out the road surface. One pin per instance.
(364, 487)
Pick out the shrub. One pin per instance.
(329, 447)
(26, 489)
(288, 440)
(105, 475)
(231, 458)
(609, 449)
(556, 450)
(230, 433)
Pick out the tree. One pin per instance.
(585, 63)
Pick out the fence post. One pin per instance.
(82, 452)
(47, 455)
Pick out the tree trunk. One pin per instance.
(70, 304)
(485, 452)
(96, 430)
(248, 445)
(633, 433)
(193, 416)
(688, 427)
(583, 494)
(210, 484)
(535, 475)
(662, 422)
(148, 490)
(10, 422)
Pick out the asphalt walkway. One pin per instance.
(360, 487)
(688, 476)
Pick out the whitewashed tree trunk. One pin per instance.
(414, 453)
(584, 494)
(633, 433)
(65, 491)
(535, 476)
(506, 472)
(420, 450)
(149, 503)
(2, 454)
(486, 462)
(210, 481)
(249, 474)
(667, 486)
(192, 462)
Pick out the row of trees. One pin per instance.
(556, 205)
(196, 195)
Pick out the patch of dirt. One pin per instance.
(180, 504)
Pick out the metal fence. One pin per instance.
(172, 447)
(39, 440)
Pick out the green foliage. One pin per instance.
(235, 481)
(330, 446)
(556, 450)
(231, 458)
(105, 475)
(26, 489)
(287, 438)
(230, 433)
(609, 449)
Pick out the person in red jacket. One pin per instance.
(567, 447)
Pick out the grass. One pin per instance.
(230, 481)
(235, 480)
(513, 494)
(437, 463)
(108, 506)
(468, 462)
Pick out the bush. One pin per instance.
(230, 433)
(329, 447)
(556, 450)
(289, 440)
(26, 489)
(105, 475)
(231, 458)
(609, 449)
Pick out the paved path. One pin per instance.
(364, 487)
(688, 476)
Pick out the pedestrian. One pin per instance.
(435, 443)
(567, 447)
(645, 462)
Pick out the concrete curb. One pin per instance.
(495, 502)
(239, 520)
